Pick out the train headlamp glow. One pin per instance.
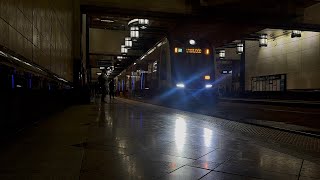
(208, 85)
(192, 42)
(180, 85)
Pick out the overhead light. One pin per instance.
(151, 50)
(207, 77)
(142, 57)
(107, 20)
(128, 42)
(139, 22)
(134, 33)
(101, 68)
(134, 63)
(99, 73)
(222, 54)
(118, 64)
(3, 54)
(143, 27)
(124, 50)
(180, 85)
(208, 86)
(296, 33)
(263, 41)
(239, 48)
(192, 42)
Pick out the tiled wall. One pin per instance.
(41, 31)
(299, 58)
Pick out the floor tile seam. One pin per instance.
(178, 156)
(207, 153)
(299, 175)
(205, 174)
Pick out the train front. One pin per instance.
(193, 71)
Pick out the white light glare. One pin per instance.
(180, 85)
(102, 68)
(208, 85)
(192, 42)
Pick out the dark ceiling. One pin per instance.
(220, 22)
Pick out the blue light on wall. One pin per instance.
(141, 81)
(12, 81)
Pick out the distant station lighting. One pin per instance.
(143, 23)
(134, 33)
(295, 33)
(128, 42)
(107, 20)
(124, 50)
(222, 54)
(208, 86)
(263, 41)
(101, 68)
(207, 51)
(192, 42)
(207, 77)
(134, 63)
(239, 48)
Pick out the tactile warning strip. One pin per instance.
(299, 142)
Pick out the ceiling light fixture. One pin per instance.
(128, 42)
(239, 48)
(296, 33)
(107, 20)
(124, 50)
(263, 41)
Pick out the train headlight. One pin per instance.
(180, 85)
(208, 85)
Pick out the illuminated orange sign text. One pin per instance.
(193, 51)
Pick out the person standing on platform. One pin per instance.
(111, 89)
(102, 83)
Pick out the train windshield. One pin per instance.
(193, 69)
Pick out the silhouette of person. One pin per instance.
(111, 88)
(102, 83)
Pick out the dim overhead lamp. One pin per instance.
(263, 41)
(139, 22)
(192, 42)
(124, 50)
(295, 33)
(101, 68)
(134, 33)
(239, 48)
(222, 54)
(128, 42)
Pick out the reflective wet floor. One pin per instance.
(124, 139)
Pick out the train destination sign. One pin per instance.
(193, 51)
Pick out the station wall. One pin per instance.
(41, 31)
(299, 58)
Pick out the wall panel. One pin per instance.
(40, 31)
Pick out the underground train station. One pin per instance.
(180, 89)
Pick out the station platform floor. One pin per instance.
(125, 139)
